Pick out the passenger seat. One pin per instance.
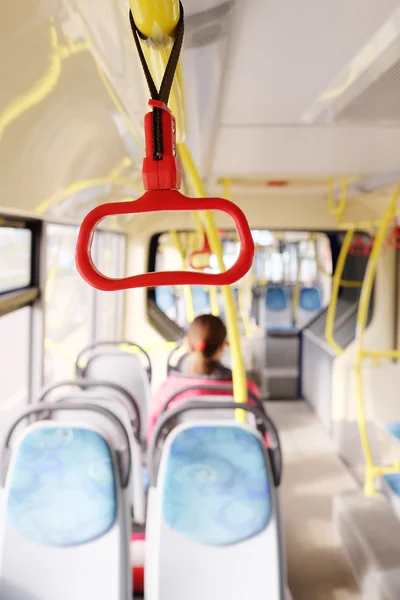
(66, 530)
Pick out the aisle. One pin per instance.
(312, 475)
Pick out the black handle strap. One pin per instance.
(168, 78)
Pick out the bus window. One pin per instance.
(15, 258)
(14, 358)
(110, 250)
(68, 304)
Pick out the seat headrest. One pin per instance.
(310, 298)
(276, 298)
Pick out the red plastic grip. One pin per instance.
(162, 201)
(204, 250)
(393, 240)
(162, 174)
(360, 248)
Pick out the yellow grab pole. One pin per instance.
(187, 290)
(336, 282)
(362, 317)
(244, 313)
(214, 304)
(198, 225)
(238, 371)
(296, 293)
(213, 291)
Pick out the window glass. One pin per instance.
(68, 304)
(111, 260)
(293, 259)
(15, 258)
(14, 356)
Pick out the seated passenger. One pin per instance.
(206, 340)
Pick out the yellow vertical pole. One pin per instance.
(362, 317)
(213, 291)
(214, 305)
(187, 290)
(296, 291)
(244, 313)
(238, 371)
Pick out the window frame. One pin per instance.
(12, 300)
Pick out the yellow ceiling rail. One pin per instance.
(85, 184)
(45, 84)
(238, 371)
(371, 470)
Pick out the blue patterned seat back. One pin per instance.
(216, 488)
(62, 489)
(276, 298)
(310, 299)
(394, 429)
(393, 481)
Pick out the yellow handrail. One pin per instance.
(244, 315)
(214, 304)
(212, 290)
(46, 83)
(238, 371)
(371, 470)
(187, 290)
(336, 282)
(296, 292)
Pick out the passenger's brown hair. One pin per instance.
(206, 335)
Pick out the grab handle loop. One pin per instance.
(162, 201)
(204, 250)
(359, 247)
(162, 178)
(393, 240)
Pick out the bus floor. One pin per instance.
(312, 475)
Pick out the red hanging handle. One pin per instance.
(359, 247)
(393, 240)
(204, 250)
(161, 179)
(162, 201)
